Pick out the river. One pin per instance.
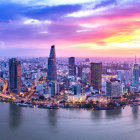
(18, 123)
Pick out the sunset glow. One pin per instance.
(91, 28)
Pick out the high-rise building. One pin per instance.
(135, 77)
(124, 76)
(76, 89)
(114, 88)
(96, 75)
(52, 75)
(127, 77)
(72, 66)
(121, 76)
(15, 75)
(80, 69)
(52, 88)
(139, 71)
(1, 74)
(85, 77)
(108, 88)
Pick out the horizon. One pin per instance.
(57, 57)
(91, 28)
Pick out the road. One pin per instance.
(5, 85)
(3, 93)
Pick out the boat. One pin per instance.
(52, 106)
(104, 108)
(22, 104)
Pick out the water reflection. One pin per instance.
(113, 113)
(32, 124)
(52, 117)
(96, 114)
(15, 115)
(135, 111)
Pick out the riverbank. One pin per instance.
(49, 104)
(58, 106)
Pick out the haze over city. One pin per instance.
(93, 28)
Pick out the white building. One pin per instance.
(76, 98)
(114, 88)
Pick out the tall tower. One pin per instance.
(72, 67)
(15, 75)
(96, 75)
(135, 77)
(52, 75)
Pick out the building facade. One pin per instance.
(114, 88)
(15, 82)
(52, 72)
(135, 77)
(96, 75)
(72, 66)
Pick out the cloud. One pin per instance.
(35, 21)
(99, 23)
(12, 11)
(2, 44)
(53, 13)
(48, 2)
(105, 3)
(21, 52)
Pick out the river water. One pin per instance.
(17, 123)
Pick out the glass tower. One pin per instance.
(135, 77)
(52, 75)
(15, 75)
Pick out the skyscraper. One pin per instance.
(96, 75)
(52, 88)
(52, 75)
(127, 77)
(124, 76)
(121, 76)
(15, 75)
(80, 69)
(72, 67)
(135, 77)
(113, 88)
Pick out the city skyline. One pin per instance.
(68, 65)
(107, 28)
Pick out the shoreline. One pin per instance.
(24, 105)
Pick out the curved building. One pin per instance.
(52, 75)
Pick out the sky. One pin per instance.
(80, 28)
